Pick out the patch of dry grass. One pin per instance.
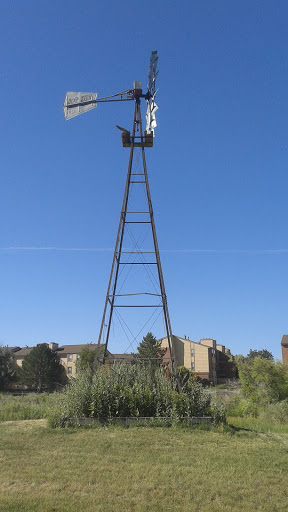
(140, 469)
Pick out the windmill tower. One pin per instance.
(125, 290)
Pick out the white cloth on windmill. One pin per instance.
(151, 117)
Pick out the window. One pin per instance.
(69, 370)
(69, 358)
(192, 366)
(192, 352)
(77, 356)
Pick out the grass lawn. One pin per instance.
(140, 469)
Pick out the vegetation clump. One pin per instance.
(7, 368)
(89, 357)
(264, 388)
(30, 406)
(132, 391)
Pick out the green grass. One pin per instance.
(258, 425)
(140, 470)
(26, 407)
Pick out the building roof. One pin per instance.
(201, 343)
(186, 339)
(75, 349)
(22, 352)
(180, 338)
(127, 357)
(284, 341)
(62, 351)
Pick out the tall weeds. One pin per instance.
(26, 407)
(127, 390)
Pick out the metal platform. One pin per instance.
(138, 141)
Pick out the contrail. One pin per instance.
(228, 251)
(110, 249)
(67, 249)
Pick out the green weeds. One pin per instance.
(133, 391)
(26, 407)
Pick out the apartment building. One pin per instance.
(208, 359)
(69, 355)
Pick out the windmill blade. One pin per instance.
(76, 103)
(153, 73)
(151, 117)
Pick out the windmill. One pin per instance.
(131, 217)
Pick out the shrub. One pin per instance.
(276, 414)
(263, 380)
(137, 390)
(240, 407)
(218, 413)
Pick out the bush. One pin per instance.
(125, 390)
(276, 414)
(240, 407)
(218, 412)
(263, 381)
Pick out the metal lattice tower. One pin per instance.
(137, 216)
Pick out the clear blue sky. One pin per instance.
(218, 169)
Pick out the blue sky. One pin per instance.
(218, 169)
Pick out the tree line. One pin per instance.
(42, 369)
(263, 380)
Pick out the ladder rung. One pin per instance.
(137, 263)
(136, 252)
(138, 306)
(139, 293)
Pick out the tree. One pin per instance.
(264, 354)
(89, 356)
(42, 369)
(150, 348)
(263, 380)
(7, 367)
(239, 359)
